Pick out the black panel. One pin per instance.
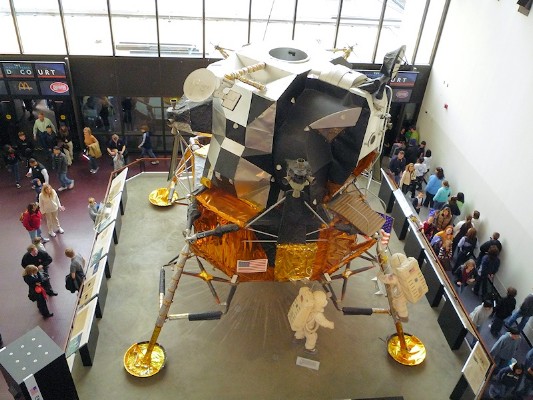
(143, 75)
(435, 288)
(413, 247)
(35, 353)
(262, 161)
(462, 390)
(451, 326)
(258, 106)
(94, 76)
(293, 222)
(400, 224)
(227, 163)
(236, 134)
(132, 76)
(284, 105)
(174, 71)
(386, 194)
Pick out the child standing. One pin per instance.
(38, 242)
(94, 208)
(38, 187)
(418, 201)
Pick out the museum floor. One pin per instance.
(248, 354)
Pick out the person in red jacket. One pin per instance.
(31, 220)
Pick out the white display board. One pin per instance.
(476, 368)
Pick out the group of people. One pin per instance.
(455, 244)
(511, 380)
(48, 137)
(60, 151)
(36, 262)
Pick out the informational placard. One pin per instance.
(91, 287)
(476, 368)
(82, 325)
(97, 267)
(73, 345)
(117, 185)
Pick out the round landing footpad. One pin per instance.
(159, 197)
(413, 354)
(136, 364)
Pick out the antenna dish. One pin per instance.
(200, 85)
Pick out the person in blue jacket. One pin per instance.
(434, 183)
(146, 144)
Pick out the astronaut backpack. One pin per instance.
(301, 308)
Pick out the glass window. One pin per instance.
(271, 20)
(101, 113)
(358, 28)
(316, 24)
(134, 28)
(400, 27)
(8, 44)
(35, 17)
(225, 26)
(429, 34)
(139, 111)
(87, 26)
(180, 28)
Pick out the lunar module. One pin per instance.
(274, 195)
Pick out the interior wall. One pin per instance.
(483, 140)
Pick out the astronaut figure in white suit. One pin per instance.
(307, 315)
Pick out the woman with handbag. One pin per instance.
(93, 149)
(37, 288)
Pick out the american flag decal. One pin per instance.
(251, 266)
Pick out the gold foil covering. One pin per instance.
(206, 182)
(227, 206)
(159, 197)
(134, 363)
(223, 252)
(335, 249)
(365, 162)
(205, 276)
(294, 261)
(413, 354)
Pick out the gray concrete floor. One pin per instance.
(248, 354)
